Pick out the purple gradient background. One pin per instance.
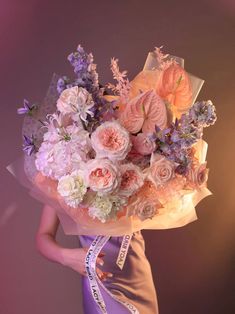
(193, 267)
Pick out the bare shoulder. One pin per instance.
(49, 221)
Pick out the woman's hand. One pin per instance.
(75, 259)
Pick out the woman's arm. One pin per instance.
(48, 247)
(45, 237)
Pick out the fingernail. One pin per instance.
(101, 263)
(110, 275)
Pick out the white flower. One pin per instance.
(72, 188)
(77, 101)
(105, 207)
(55, 159)
(58, 126)
(52, 160)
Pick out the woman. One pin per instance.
(133, 284)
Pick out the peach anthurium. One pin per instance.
(144, 112)
(174, 86)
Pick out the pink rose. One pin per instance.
(142, 144)
(102, 175)
(111, 140)
(131, 179)
(145, 203)
(161, 169)
(198, 176)
(146, 210)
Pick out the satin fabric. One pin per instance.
(134, 283)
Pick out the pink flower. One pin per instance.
(77, 101)
(174, 86)
(131, 179)
(111, 140)
(102, 175)
(198, 176)
(172, 190)
(142, 144)
(161, 169)
(146, 210)
(145, 203)
(55, 126)
(144, 112)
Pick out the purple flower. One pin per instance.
(62, 84)
(27, 108)
(85, 70)
(175, 136)
(181, 169)
(29, 145)
(175, 141)
(165, 148)
(84, 67)
(203, 113)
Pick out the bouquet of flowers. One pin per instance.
(121, 157)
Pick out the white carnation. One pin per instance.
(105, 207)
(72, 188)
(76, 101)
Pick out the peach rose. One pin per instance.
(131, 179)
(111, 140)
(102, 175)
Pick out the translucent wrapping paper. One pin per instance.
(76, 221)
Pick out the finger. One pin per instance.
(101, 254)
(100, 273)
(107, 274)
(100, 261)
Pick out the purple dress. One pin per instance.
(134, 283)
